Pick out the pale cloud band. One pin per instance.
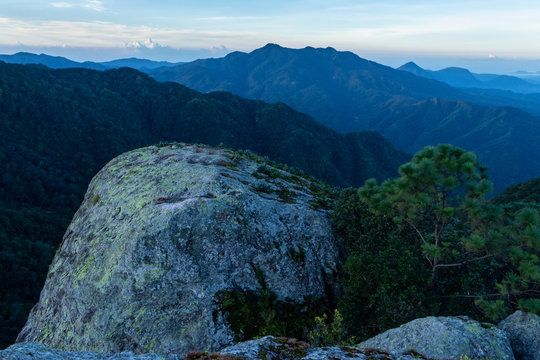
(106, 34)
(460, 28)
(62, 5)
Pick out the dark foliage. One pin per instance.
(527, 192)
(428, 243)
(59, 127)
(253, 314)
(386, 279)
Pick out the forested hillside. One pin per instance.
(59, 127)
(524, 193)
(348, 93)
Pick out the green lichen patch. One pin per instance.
(146, 274)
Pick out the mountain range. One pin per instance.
(348, 93)
(412, 108)
(463, 78)
(59, 62)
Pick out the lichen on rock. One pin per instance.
(160, 232)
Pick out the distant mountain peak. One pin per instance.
(271, 46)
(458, 70)
(410, 66)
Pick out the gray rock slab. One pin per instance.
(35, 351)
(446, 338)
(523, 329)
(261, 349)
(270, 347)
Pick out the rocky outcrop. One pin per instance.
(446, 338)
(164, 229)
(262, 349)
(523, 329)
(35, 351)
(270, 347)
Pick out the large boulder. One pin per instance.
(523, 329)
(161, 232)
(445, 338)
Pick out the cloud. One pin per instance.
(234, 18)
(101, 33)
(147, 44)
(62, 5)
(465, 31)
(158, 53)
(95, 5)
(102, 41)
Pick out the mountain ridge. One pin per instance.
(60, 62)
(463, 78)
(348, 93)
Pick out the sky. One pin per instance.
(504, 34)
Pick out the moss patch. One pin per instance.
(253, 314)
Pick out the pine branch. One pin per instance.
(465, 262)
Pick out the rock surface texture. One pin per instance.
(445, 338)
(262, 349)
(160, 232)
(35, 351)
(270, 347)
(523, 329)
